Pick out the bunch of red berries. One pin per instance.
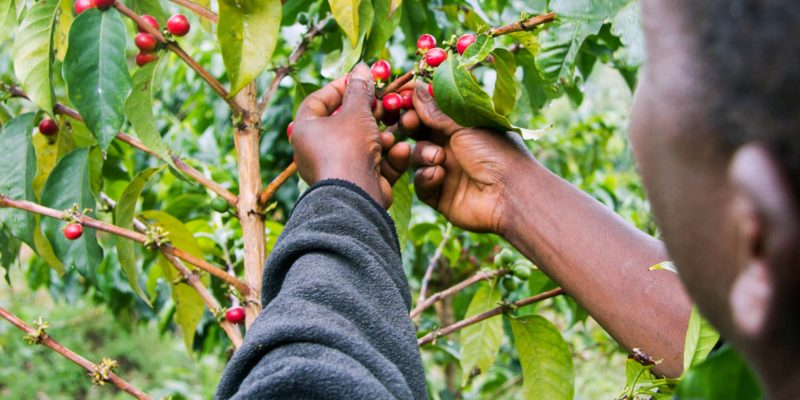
(177, 25)
(83, 5)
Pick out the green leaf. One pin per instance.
(480, 342)
(724, 375)
(546, 360)
(539, 91)
(61, 34)
(247, 32)
(18, 167)
(8, 19)
(394, 6)
(150, 7)
(505, 88)
(66, 186)
(665, 265)
(384, 24)
(96, 72)
(45, 250)
(139, 110)
(123, 217)
(484, 44)
(346, 14)
(628, 27)
(189, 305)
(400, 211)
(33, 53)
(46, 155)
(701, 337)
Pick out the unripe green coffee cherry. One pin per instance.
(219, 204)
(302, 18)
(510, 283)
(503, 258)
(522, 269)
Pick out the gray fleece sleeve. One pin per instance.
(335, 321)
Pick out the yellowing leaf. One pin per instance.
(345, 12)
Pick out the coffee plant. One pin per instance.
(138, 135)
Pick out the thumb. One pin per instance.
(360, 90)
(430, 114)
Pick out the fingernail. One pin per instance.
(361, 71)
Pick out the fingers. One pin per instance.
(427, 154)
(409, 123)
(387, 140)
(427, 183)
(321, 103)
(396, 162)
(360, 90)
(429, 112)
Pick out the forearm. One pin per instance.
(335, 320)
(601, 261)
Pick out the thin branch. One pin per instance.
(42, 338)
(128, 234)
(197, 9)
(137, 144)
(397, 83)
(283, 71)
(429, 338)
(524, 25)
(276, 183)
(483, 275)
(233, 332)
(431, 265)
(175, 48)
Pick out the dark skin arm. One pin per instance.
(487, 181)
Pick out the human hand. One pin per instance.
(348, 144)
(467, 174)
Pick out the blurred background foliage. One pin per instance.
(585, 107)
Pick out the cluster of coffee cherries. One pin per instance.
(394, 102)
(83, 5)
(177, 25)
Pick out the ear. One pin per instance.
(765, 218)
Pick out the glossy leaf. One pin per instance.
(18, 167)
(33, 53)
(505, 88)
(545, 357)
(346, 13)
(628, 26)
(149, 7)
(96, 72)
(701, 337)
(139, 110)
(400, 211)
(123, 217)
(8, 18)
(383, 25)
(247, 32)
(61, 34)
(478, 51)
(66, 186)
(394, 6)
(723, 375)
(189, 305)
(481, 342)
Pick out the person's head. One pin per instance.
(716, 133)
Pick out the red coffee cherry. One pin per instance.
(464, 41)
(381, 70)
(143, 59)
(290, 129)
(390, 118)
(406, 95)
(392, 102)
(235, 315)
(73, 231)
(435, 56)
(426, 42)
(48, 127)
(104, 4)
(178, 25)
(150, 21)
(145, 42)
(430, 89)
(83, 5)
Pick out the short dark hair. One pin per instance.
(750, 56)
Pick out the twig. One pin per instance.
(175, 48)
(397, 83)
(483, 275)
(429, 338)
(192, 279)
(197, 9)
(43, 338)
(137, 144)
(437, 254)
(128, 234)
(524, 25)
(276, 183)
(283, 71)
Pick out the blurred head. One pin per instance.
(716, 133)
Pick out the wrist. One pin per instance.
(367, 182)
(523, 175)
